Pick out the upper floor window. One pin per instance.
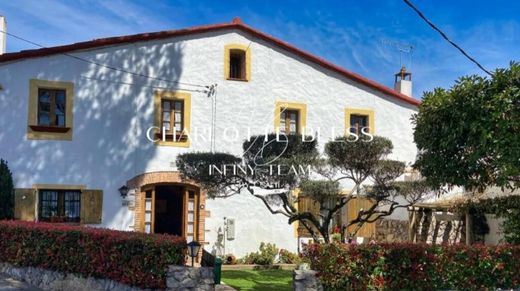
(172, 116)
(51, 107)
(358, 122)
(358, 119)
(237, 62)
(50, 110)
(60, 205)
(289, 121)
(290, 117)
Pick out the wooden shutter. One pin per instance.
(353, 207)
(306, 204)
(91, 206)
(25, 204)
(139, 211)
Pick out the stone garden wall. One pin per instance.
(306, 280)
(391, 230)
(178, 278)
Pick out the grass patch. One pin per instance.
(258, 280)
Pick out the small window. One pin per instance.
(358, 122)
(60, 205)
(237, 64)
(289, 121)
(51, 107)
(172, 116)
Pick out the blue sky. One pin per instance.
(348, 33)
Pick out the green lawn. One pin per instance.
(258, 280)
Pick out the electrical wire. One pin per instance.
(104, 65)
(147, 86)
(421, 15)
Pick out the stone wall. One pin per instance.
(306, 280)
(185, 278)
(178, 278)
(391, 230)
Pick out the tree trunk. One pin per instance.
(469, 228)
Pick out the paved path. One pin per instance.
(10, 284)
(224, 287)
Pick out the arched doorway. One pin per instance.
(164, 203)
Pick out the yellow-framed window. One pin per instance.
(290, 117)
(50, 110)
(237, 62)
(173, 112)
(356, 119)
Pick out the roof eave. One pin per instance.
(64, 49)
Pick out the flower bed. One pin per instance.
(128, 257)
(415, 266)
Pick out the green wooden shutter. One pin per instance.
(91, 206)
(25, 204)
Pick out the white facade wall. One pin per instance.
(109, 145)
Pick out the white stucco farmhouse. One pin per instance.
(75, 120)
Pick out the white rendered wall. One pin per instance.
(110, 119)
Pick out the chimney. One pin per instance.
(403, 82)
(3, 35)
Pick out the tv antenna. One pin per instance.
(405, 49)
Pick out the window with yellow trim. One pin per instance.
(237, 62)
(172, 118)
(50, 110)
(290, 117)
(357, 119)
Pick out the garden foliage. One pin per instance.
(6, 191)
(406, 266)
(128, 257)
(265, 256)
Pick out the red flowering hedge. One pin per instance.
(128, 257)
(407, 266)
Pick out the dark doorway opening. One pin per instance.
(169, 209)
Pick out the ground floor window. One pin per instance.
(60, 205)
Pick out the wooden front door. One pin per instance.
(169, 208)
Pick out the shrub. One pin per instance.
(266, 255)
(415, 266)
(230, 259)
(6, 191)
(128, 257)
(286, 257)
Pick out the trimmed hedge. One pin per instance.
(128, 257)
(406, 266)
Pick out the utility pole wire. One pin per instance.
(446, 37)
(103, 65)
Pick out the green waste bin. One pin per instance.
(217, 270)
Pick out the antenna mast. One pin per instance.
(403, 48)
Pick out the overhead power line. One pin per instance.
(104, 65)
(446, 37)
(143, 86)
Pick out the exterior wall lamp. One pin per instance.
(193, 250)
(123, 190)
